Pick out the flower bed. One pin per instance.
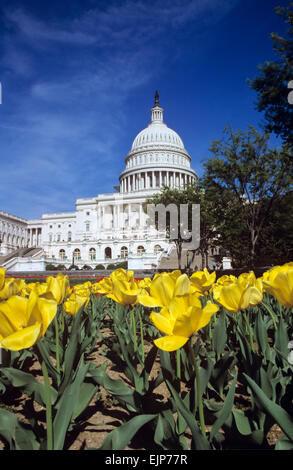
(186, 362)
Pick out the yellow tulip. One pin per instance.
(38, 287)
(278, 282)
(2, 277)
(182, 319)
(11, 287)
(202, 281)
(226, 279)
(123, 292)
(246, 291)
(163, 288)
(145, 283)
(23, 321)
(74, 302)
(104, 286)
(57, 288)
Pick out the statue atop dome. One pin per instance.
(157, 99)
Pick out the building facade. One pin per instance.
(114, 227)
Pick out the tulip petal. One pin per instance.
(170, 343)
(22, 339)
(162, 289)
(182, 285)
(15, 309)
(162, 322)
(251, 297)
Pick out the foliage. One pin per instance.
(247, 180)
(100, 267)
(271, 84)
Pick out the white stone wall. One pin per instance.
(13, 233)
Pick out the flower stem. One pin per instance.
(178, 368)
(271, 314)
(132, 321)
(141, 336)
(48, 407)
(249, 332)
(57, 349)
(198, 388)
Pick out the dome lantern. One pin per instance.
(157, 111)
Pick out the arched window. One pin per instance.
(62, 254)
(157, 249)
(124, 252)
(76, 254)
(92, 254)
(108, 253)
(140, 250)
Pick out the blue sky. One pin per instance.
(78, 81)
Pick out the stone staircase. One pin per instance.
(20, 253)
(170, 262)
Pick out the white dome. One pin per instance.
(157, 158)
(157, 134)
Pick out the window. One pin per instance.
(76, 254)
(92, 254)
(87, 226)
(87, 213)
(157, 249)
(124, 252)
(108, 253)
(140, 250)
(69, 236)
(58, 237)
(62, 254)
(50, 237)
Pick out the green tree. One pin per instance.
(190, 194)
(276, 239)
(248, 179)
(271, 84)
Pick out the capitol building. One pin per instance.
(107, 228)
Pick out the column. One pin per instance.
(153, 179)
(129, 214)
(160, 178)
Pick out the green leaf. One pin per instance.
(281, 417)
(219, 337)
(242, 421)
(226, 410)
(72, 352)
(283, 443)
(165, 433)
(18, 436)
(86, 393)
(120, 437)
(261, 334)
(116, 388)
(66, 406)
(28, 384)
(281, 340)
(200, 442)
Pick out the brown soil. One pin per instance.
(103, 413)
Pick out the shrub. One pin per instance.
(100, 267)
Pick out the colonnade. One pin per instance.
(154, 179)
